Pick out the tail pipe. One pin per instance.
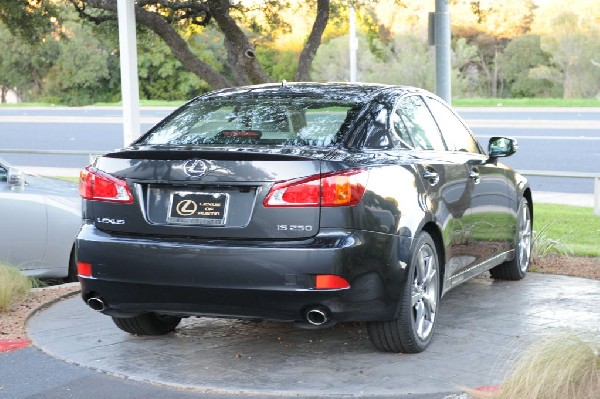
(318, 315)
(96, 303)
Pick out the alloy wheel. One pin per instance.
(524, 244)
(425, 292)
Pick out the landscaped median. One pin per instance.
(19, 300)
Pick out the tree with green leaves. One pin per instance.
(491, 24)
(169, 18)
(24, 65)
(575, 50)
(527, 70)
(243, 26)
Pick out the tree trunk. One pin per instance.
(178, 46)
(568, 83)
(485, 69)
(495, 73)
(314, 41)
(240, 53)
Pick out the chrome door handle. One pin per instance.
(432, 177)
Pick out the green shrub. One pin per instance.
(543, 245)
(13, 286)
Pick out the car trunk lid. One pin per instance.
(211, 194)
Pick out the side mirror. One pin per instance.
(502, 147)
(16, 180)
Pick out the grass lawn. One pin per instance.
(525, 102)
(577, 228)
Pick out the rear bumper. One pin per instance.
(245, 279)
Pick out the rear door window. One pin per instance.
(413, 124)
(456, 134)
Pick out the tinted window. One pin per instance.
(456, 135)
(269, 120)
(415, 126)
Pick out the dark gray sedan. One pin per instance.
(304, 203)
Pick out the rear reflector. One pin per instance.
(100, 186)
(84, 269)
(342, 188)
(330, 282)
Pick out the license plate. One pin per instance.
(198, 208)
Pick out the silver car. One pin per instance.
(39, 219)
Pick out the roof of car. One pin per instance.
(335, 90)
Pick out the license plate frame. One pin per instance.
(198, 208)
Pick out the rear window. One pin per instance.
(255, 121)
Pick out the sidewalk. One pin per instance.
(475, 343)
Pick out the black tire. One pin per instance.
(72, 276)
(412, 330)
(147, 324)
(516, 269)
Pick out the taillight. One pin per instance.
(342, 188)
(330, 282)
(100, 186)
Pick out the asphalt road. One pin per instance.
(556, 139)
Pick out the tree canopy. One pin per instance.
(67, 51)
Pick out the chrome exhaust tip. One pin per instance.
(96, 303)
(317, 316)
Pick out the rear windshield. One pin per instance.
(255, 121)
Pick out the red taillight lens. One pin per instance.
(330, 282)
(84, 269)
(99, 186)
(343, 188)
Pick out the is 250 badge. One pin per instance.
(294, 227)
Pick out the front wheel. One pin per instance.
(147, 324)
(516, 269)
(412, 330)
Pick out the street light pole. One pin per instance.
(353, 42)
(130, 92)
(443, 61)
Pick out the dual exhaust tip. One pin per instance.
(318, 315)
(96, 303)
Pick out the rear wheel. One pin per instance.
(147, 324)
(72, 274)
(412, 330)
(516, 269)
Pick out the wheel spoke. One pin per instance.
(416, 298)
(421, 266)
(419, 319)
(430, 303)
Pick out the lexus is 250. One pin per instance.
(304, 203)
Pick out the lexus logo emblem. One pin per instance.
(186, 208)
(195, 168)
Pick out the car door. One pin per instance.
(489, 215)
(23, 225)
(444, 175)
